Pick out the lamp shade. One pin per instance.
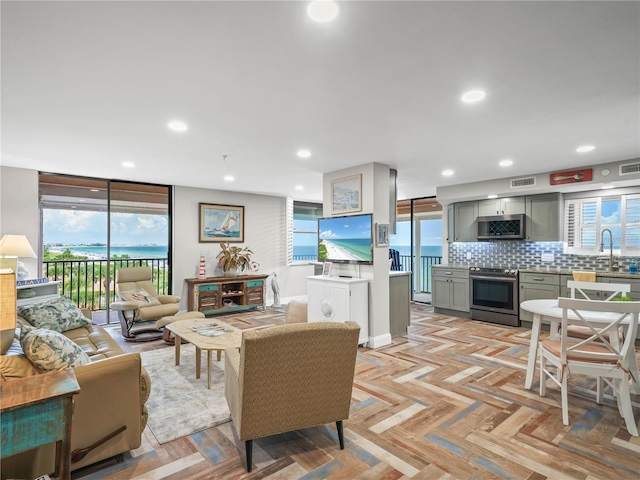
(16, 245)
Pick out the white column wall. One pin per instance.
(375, 200)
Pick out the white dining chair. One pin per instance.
(596, 356)
(587, 290)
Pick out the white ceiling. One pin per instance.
(87, 85)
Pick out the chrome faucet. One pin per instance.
(612, 267)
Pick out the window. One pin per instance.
(587, 218)
(302, 231)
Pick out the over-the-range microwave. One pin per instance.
(501, 227)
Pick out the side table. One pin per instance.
(38, 410)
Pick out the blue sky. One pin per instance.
(78, 227)
(430, 233)
(346, 227)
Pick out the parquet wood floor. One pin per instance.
(445, 401)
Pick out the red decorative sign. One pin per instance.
(572, 176)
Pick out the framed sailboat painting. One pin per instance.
(221, 223)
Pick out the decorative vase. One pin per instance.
(202, 270)
(231, 273)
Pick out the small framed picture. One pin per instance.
(326, 269)
(382, 234)
(346, 194)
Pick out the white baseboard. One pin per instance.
(380, 341)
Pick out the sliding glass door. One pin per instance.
(418, 240)
(91, 227)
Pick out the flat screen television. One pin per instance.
(346, 239)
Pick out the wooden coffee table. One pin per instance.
(183, 329)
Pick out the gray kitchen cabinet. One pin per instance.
(595, 295)
(450, 289)
(543, 217)
(451, 235)
(399, 302)
(501, 206)
(464, 220)
(535, 286)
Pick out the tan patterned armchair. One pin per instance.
(291, 377)
(139, 303)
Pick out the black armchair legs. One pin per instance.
(248, 445)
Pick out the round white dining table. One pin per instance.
(548, 310)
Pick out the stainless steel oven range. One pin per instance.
(494, 295)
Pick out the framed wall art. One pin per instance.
(346, 194)
(382, 234)
(221, 223)
(326, 269)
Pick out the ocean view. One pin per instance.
(425, 251)
(100, 252)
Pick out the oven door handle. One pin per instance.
(501, 279)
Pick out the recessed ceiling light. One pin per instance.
(95, 190)
(303, 153)
(607, 187)
(447, 173)
(323, 10)
(585, 148)
(229, 178)
(299, 188)
(506, 162)
(177, 126)
(128, 164)
(473, 96)
(492, 196)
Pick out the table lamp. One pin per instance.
(7, 309)
(17, 246)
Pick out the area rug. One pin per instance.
(180, 404)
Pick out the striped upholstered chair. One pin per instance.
(291, 377)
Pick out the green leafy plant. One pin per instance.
(233, 258)
(622, 298)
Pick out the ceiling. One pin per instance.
(88, 85)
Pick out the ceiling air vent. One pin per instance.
(523, 182)
(629, 168)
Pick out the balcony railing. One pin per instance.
(84, 281)
(405, 265)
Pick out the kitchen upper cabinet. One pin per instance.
(501, 206)
(450, 222)
(544, 218)
(465, 226)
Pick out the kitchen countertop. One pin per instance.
(599, 273)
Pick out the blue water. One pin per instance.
(425, 251)
(360, 247)
(134, 251)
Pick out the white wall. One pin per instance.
(19, 211)
(264, 234)
(502, 186)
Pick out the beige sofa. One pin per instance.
(113, 390)
(290, 377)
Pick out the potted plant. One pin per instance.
(232, 258)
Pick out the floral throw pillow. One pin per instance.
(141, 297)
(49, 350)
(59, 314)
